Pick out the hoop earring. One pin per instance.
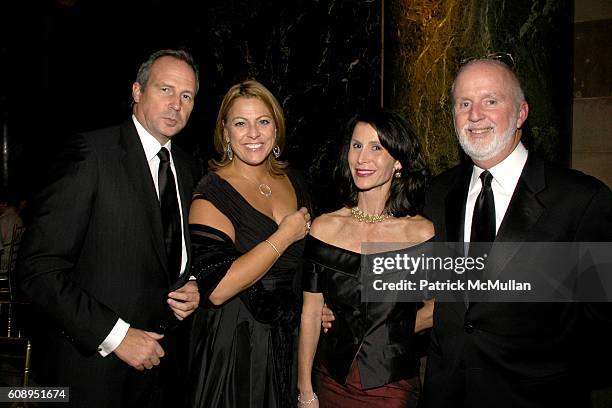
(398, 174)
(229, 151)
(276, 151)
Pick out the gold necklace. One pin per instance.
(264, 189)
(362, 216)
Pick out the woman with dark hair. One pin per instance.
(247, 220)
(368, 359)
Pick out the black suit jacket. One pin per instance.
(516, 354)
(95, 253)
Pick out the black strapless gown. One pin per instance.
(236, 359)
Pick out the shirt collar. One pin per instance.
(505, 173)
(149, 143)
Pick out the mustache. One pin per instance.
(479, 127)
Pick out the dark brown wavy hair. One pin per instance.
(396, 135)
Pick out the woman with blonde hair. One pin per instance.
(247, 220)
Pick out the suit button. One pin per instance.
(462, 365)
(162, 326)
(356, 341)
(469, 327)
(356, 313)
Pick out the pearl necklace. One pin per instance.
(362, 216)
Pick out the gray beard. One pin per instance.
(483, 153)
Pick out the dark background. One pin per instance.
(68, 66)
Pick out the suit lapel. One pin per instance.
(455, 206)
(522, 214)
(455, 218)
(139, 176)
(184, 178)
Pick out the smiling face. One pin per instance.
(370, 163)
(163, 106)
(250, 129)
(488, 112)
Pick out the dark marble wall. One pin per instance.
(428, 39)
(73, 71)
(320, 58)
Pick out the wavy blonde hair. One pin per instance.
(250, 89)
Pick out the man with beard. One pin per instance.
(519, 355)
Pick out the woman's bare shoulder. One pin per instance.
(326, 226)
(204, 212)
(418, 228)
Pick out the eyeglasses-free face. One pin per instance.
(487, 111)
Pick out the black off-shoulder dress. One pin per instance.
(370, 357)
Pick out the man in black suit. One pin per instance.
(95, 258)
(519, 355)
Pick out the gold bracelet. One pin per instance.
(273, 247)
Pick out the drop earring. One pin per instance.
(276, 151)
(229, 151)
(398, 174)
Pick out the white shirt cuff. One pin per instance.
(114, 338)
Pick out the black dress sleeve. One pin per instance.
(213, 253)
(312, 280)
(312, 270)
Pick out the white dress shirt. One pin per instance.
(506, 175)
(151, 147)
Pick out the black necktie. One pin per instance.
(483, 220)
(171, 217)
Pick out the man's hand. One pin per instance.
(140, 349)
(327, 317)
(184, 300)
(424, 316)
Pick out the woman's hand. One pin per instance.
(327, 317)
(295, 226)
